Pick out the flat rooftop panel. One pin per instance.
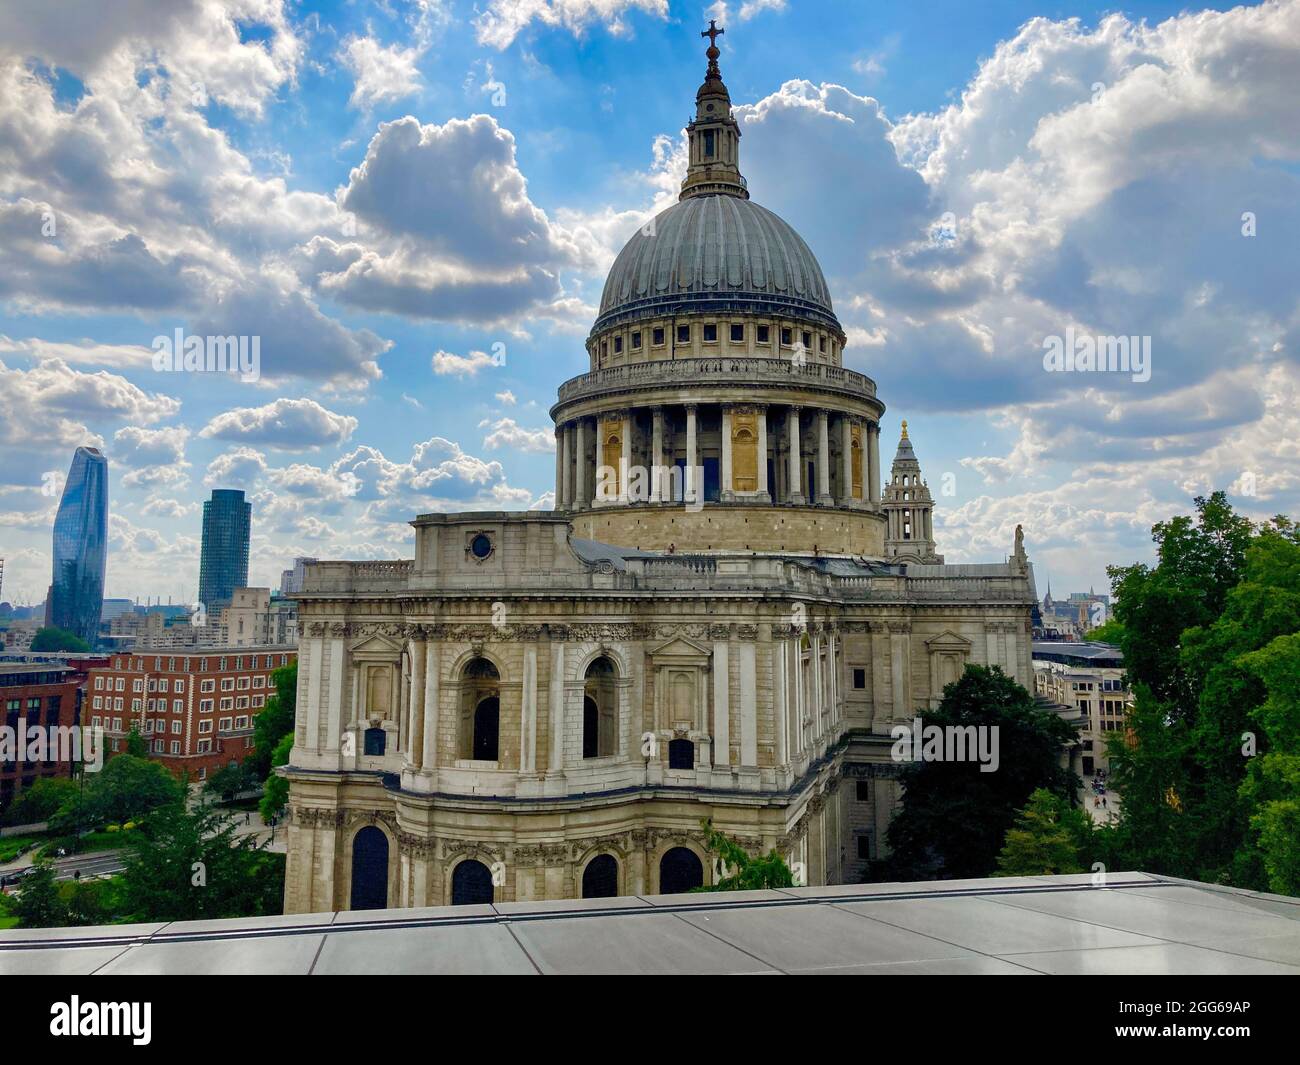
(1138, 923)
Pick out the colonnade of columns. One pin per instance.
(788, 437)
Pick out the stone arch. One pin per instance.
(679, 869)
(600, 877)
(478, 692)
(470, 883)
(370, 854)
(600, 708)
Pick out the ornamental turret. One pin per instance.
(909, 509)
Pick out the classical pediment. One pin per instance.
(680, 649)
(376, 647)
(948, 641)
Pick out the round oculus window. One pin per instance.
(481, 546)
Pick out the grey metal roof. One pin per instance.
(708, 250)
(1079, 654)
(1137, 923)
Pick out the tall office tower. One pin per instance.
(81, 546)
(223, 561)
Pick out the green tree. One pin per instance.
(1222, 589)
(230, 780)
(954, 817)
(41, 801)
(52, 638)
(275, 721)
(1111, 632)
(1050, 836)
(136, 745)
(276, 795)
(1271, 789)
(39, 903)
(191, 865)
(743, 871)
(127, 788)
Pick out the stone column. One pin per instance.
(657, 455)
(694, 485)
(846, 460)
(566, 493)
(764, 489)
(559, 468)
(528, 726)
(581, 496)
(629, 459)
(415, 730)
(873, 461)
(556, 706)
(823, 460)
(792, 434)
(429, 757)
(726, 453)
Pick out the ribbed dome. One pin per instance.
(715, 253)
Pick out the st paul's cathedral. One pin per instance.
(727, 610)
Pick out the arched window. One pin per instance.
(375, 741)
(487, 724)
(681, 754)
(480, 711)
(600, 710)
(679, 870)
(471, 884)
(600, 878)
(369, 869)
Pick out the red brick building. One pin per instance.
(31, 694)
(195, 709)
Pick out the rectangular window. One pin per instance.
(259, 682)
(711, 333)
(205, 727)
(618, 345)
(176, 746)
(177, 706)
(683, 334)
(657, 337)
(859, 679)
(241, 722)
(180, 687)
(864, 791)
(708, 143)
(807, 340)
(176, 728)
(242, 684)
(205, 706)
(821, 344)
(636, 341)
(764, 334)
(864, 848)
(787, 337)
(205, 746)
(224, 724)
(737, 333)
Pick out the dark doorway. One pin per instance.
(369, 869)
(712, 481)
(681, 754)
(487, 720)
(679, 870)
(590, 728)
(375, 741)
(600, 878)
(471, 884)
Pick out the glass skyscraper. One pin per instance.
(81, 546)
(223, 561)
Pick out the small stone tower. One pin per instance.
(909, 509)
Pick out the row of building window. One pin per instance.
(255, 662)
(762, 335)
(224, 724)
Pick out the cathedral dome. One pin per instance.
(715, 252)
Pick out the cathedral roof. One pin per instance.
(716, 252)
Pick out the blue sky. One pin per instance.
(382, 190)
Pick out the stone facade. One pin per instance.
(546, 705)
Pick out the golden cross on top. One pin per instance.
(713, 33)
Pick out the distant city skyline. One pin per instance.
(968, 193)
(80, 547)
(223, 556)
